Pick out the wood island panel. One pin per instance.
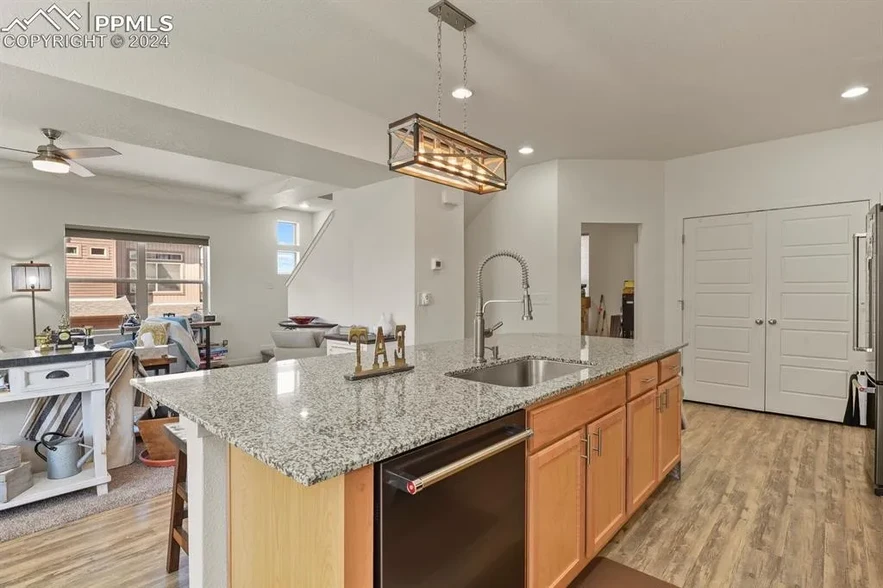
(285, 534)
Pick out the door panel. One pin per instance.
(606, 480)
(724, 274)
(641, 450)
(809, 296)
(556, 494)
(669, 427)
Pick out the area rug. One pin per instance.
(606, 573)
(129, 485)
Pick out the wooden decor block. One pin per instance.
(15, 481)
(10, 457)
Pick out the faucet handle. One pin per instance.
(495, 351)
(490, 332)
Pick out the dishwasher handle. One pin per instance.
(413, 485)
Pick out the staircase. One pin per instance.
(316, 238)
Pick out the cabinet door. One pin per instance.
(556, 534)
(605, 481)
(642, 456)
(669, 429)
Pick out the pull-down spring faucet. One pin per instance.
(481, 333)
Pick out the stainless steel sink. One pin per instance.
(521, 373)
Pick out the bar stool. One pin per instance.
(178, 537)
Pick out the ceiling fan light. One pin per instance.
(51, 164)
(462, 93)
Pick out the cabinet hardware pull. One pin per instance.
(659, 403)
(677, 367)
(648, 380)
(57, 375)
(598, 433)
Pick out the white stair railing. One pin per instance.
(316, 238)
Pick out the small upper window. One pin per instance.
(98, 252)
(72, 250)
(286, 233)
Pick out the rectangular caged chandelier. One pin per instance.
(429, 150)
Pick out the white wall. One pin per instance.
(593, 191)
(611, 261)
(524, 218)
(374, 258)
(246, 293)
(820, 168)
(439, 234)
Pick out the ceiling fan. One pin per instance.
(55, 160)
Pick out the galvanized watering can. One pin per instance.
(63, 455)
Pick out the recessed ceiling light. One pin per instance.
(526, 150)
(461, 93)
(304, 205)
(855, 92)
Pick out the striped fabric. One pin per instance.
(64, 413)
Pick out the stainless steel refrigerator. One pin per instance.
(874, 251)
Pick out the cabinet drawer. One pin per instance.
(557, 419)
(643, 379)
(669, 367)
(49, 376)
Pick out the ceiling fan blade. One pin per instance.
(86, 152)
(79, 170)
(19, 150)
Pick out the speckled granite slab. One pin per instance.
(302, 418)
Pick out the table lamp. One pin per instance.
(32, 277)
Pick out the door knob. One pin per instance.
(773, 321)
(758, 321)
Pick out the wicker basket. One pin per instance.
(159, 447)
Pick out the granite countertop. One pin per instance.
(11, 359)
(302, 418)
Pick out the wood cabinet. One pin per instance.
(597, 454)
(669, 426)
(556, 482)
(606, 480)
(642, 439)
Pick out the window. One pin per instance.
(287, 254)
(286, 261)
(144, 274)
(98, 252)
(286, 233)
(72, 250)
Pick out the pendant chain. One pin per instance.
(438, 70)
(465, 100)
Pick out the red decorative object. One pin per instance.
(303, 320)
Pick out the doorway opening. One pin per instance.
(607, 279)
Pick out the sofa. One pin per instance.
(298, 344)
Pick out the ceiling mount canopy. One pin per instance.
(427, 149)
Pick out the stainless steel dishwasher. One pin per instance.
(451, 514)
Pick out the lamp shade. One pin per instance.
(31, 277)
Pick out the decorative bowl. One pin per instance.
(302, 320)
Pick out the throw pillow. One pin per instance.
(160, 332)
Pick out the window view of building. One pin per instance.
(286, 242)
(108, 279)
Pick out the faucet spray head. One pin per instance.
(526, 306)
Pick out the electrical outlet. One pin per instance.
(425, 298)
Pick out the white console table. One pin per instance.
(33, 375)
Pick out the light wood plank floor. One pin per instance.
(764, 501)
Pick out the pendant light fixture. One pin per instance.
(427, 149)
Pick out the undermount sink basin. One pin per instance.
(521, 373)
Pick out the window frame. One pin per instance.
(296, 254)
(293, 248)
(142, 303)
(104, 255)
(76, 250)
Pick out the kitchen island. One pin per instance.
(281, 456)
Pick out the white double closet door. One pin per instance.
(768, 307)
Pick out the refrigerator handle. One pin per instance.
(856, 253)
